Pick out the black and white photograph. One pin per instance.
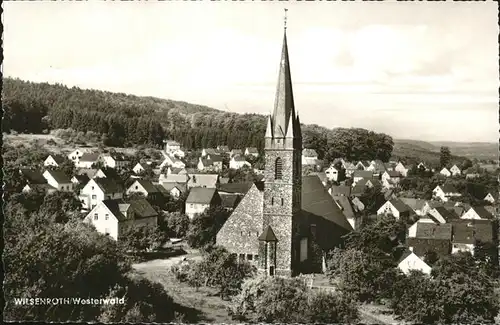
(251, 162)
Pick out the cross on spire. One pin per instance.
(285, 16)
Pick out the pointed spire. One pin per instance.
(284, 104)
(269, 128)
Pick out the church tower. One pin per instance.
(278, 248)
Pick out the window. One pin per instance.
(282, 201)
(92, 188)
(249, 257)
(313, 229)
(278, 168)
(242, 257)
(272, 201)
(106, 217)
(136, 187)
(256, 257)
(94, 197)
(278, 140)
(96, 216)
(93, 206)
(249, 234)
(106, 231)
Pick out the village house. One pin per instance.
(98, 190)
(54, 160)
(445, 172)
(445, 192)
(309, 157)
(113, 217)
(173, 148)
(361, 174)
(140, 168)
(35, 180)
(59, 180)
(332, 173)
(251, 151)
(173, 178)
(350, 168)
(396, 208)
(89, 172)
(391, 165)
(424, 236)
(235, 152)
(88, 160)
(491, 197)
(172, 161)
(175, 190)
(421, 166)
(200, 199)
(223, 149)
(409, 261)
(478, 213)
(340, 190)
(214, 163)
(203, 180)
(238, 162)
(442, 214)
(76, 154)
(115, 161)
(377, 167)
(390, 178)
(467, 232)
(146, 188)
(362, 165)
(455, 171)
(417, 205)
(345, 205)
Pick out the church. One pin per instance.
(285, 224)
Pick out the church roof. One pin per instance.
(268, 235)
(317, 201)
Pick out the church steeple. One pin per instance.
(283, 106)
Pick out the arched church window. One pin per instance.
(278, 168)
(282, 201)
(272, 201)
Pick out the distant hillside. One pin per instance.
(479, 150)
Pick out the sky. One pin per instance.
(414, 70)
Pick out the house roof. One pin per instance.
(223, 148)
(415, 204)
(340, 190)
(482, 212)
(147, 185)
(405, 254)
(90, 172)
(236, 151)
(239, 158)
(215, 158)
(208, 180)
(309, 153)
(176, 178)
(467, 231)
(172, 143)
(119, 157)
(400, 205)
(211, 151)
(33, 177)
(206, 162)
(241, 188)
(201, 195)
(59, 176)
(140, 208)
(394, 173)
(345, 205)
(252, 150)
(182, 187)
(447, 214)
(90, 157)
(82, 179)
(317, 201)
(427, 230)
(108, 185)
(363, 173)
(175, 170)
(57, 158)
(268, 235)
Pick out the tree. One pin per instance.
(445, 156)
(142, 238)
(204, 227)
(175, 224)
(373, 199)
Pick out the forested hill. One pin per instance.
(126, 120)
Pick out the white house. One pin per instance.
(412, 230)
(443, 215)
(214, 163)
(58, 180)
(455, 171)
(332, 173)
(422, 166)
(394, 207)
(115, 161)
(445, 192)
(309, 157)
(203, 180)
(53, 160)
(87, 160)
(478, 213)
(139, 168)
(238, 162)
(209, 151)
(98, 190)
(401, 169)
(200, 199)
(35, 179)
(409, 261)
(172, 161)
(467, 232)
(492, 198)
(445, 172)
(391, 177)
(75, 155)
(146, 188)
(174, 189)
(251, 152)
(174, 148)
(112, 217)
